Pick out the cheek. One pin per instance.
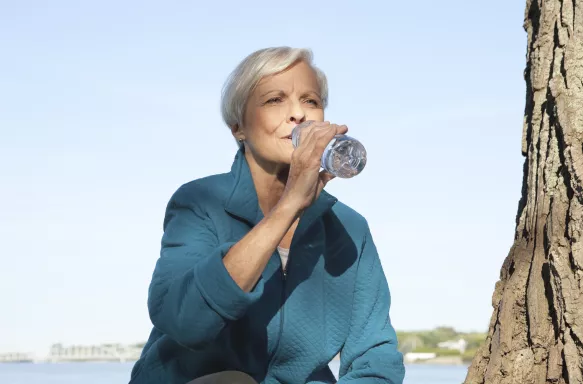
(315, 114)
(267, 123)
(262, 132)
(272, 117)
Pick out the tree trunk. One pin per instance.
(536, 330)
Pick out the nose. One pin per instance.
(296, 113)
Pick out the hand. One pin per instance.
(305, 181)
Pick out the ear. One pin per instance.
(237, 132)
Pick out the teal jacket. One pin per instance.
(333, 299)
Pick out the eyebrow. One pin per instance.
(282, 92)
(273, 90)
(312, 93)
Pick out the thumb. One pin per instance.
(325, 177)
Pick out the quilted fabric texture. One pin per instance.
(334, 299)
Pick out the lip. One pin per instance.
(289, 137)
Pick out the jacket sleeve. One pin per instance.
(370, 353)
(192, 296)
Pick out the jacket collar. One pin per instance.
(243, 202)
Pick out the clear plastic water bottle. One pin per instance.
(344, 157)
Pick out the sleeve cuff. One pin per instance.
(220, 290)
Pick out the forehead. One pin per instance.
(299, 75)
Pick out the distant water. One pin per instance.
(119, 373)
(426, 373)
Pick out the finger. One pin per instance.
(317, 126)
(315, 132)
(341, 129)
(325, 177)
(338, 129)
(307, 131)
(325, 135)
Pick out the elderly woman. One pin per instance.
(263, 276)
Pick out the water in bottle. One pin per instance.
(344, 156)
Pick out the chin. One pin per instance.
(285, 160)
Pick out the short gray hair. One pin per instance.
(264, 62)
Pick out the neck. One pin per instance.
(269, 180)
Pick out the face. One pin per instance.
(276, 106)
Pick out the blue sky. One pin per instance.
(107, 107)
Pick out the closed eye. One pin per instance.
(274, 100)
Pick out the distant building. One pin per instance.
(413, 357)
(410, 343)
(16, 357)
(459, 345)
(105, 352)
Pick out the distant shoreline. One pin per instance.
(440, 346)
(417, 363)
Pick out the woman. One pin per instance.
(263, 276)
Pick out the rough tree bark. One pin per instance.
(536, 330)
